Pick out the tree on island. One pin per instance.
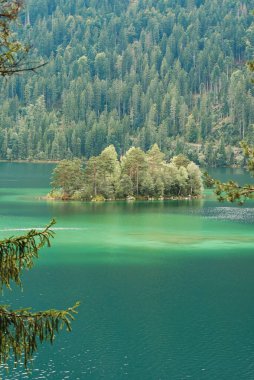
(134, 165)
(143, 175)
(21, 330)
(68, 174)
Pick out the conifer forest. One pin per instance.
(132, 73)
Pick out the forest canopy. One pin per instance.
(132, 73)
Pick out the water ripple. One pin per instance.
(237, 214)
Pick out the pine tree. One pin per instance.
(134, 164)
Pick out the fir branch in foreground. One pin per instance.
(21, 330)
(13, 53)
(17, 253)
(232, 192)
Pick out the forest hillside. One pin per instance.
(132, 73)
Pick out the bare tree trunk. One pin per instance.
(137, 182)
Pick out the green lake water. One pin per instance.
(166, 287)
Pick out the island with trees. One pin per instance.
(136, 175)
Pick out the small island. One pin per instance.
(136, 175)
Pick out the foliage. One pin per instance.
(13, 53)
(134, 165)
(67, 176)
(98, 198)
(20, 330)
(132, 73)
(18, 253)
(231, 191)
(208, 181)
(137, 173)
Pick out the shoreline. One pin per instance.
(30, 162)
(131, 199)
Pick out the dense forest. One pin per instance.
(132, 73)
(136, 175)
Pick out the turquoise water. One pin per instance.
(166, 287)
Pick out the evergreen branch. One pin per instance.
(16, 69)
(13, 53)
(231, 192)
(249, 154)
(208, 181)
(20, 330)
(17, 253)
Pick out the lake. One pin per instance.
(166, 287)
